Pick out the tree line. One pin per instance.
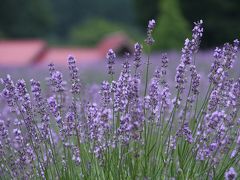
(54, 19)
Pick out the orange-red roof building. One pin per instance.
(30, 52)
(21, 52)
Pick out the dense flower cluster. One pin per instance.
(130, 130)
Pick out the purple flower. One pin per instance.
(234, 95)
(165, 98)
(134, 90)
(164, 64)
(121, 121)
(195, 80)
(3, 130)
(180, 77)
(40, 106)
(9, 92)
(229, 53)
(56, 81)
(230, 174)
(91, 115)
(26, 109)
(98, 125)
(216, 118)
(238, 140)
(18, 138)
(110, 61)
(190, 46)
(122, 89)
(137, 55)
(151, 24)
(69, 123)
(54, 109)
(213, 101)
(105, 92)
(203, 153)
(197, 34)
(186, 57)
(131, 126)
(76, 85)
(76, 155)
(213, 146)
(154, 92)
(51, 68)
(186, 132)
(172, 142)
(224, 59)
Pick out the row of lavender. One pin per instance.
(137, 129)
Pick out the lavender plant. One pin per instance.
(132, 131)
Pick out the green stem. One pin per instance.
(146, 78)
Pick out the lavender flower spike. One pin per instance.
(110, 57)
(230, 174)
(76, 85)
(137, 55)
(9, 92)
(151, 25)
(195, 80)
(197, 34)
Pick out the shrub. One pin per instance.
(134, 131)
(93, 30)
(172, 27)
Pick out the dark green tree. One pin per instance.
(25, 18)
(221, 19)
(94, 30)
(75, 12)
(146, 10)
(171, 28)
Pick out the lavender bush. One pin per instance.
(134, 128)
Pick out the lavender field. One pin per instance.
(145, 116)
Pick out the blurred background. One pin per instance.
(39, 31)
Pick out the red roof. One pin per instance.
(27, 52)
(83, 55)
(20, 52)
(114, 41)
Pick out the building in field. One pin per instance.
(30, 52)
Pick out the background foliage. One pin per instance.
(57, 19)
(92, 31)
(172, 28)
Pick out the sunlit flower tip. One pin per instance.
(217, 53)
(71, 61)
(200, 22)
(187, 41)
(151, 24)
(110, 54)
(236, 44)
(236, 41)
(137, 46)
(70, 57)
